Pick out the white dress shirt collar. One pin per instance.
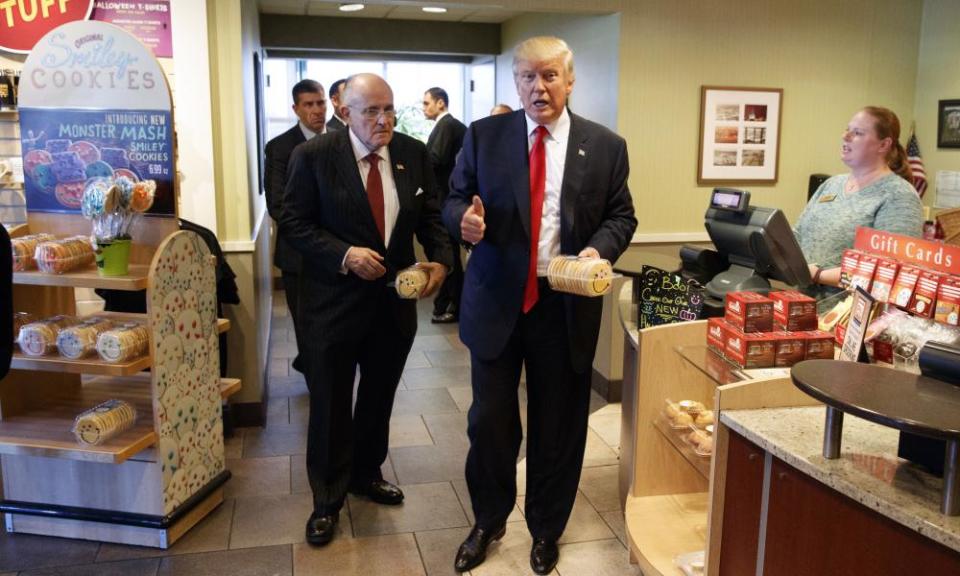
(308, 133)
(559, 129)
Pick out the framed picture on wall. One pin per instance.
(948, 124)
(739, 134)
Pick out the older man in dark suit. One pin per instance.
(310, 106)
(354, 201)
(443, 145)
(529, 186)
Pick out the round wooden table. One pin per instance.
(908, 402)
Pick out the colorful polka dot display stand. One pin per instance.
(186, 370)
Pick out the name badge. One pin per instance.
(825, 199)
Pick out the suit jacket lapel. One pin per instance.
(520, 168)
(574, 169)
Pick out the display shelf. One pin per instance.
(46, 431)
(680, 527)
(710, 363)
(87, 278)
(223, 324)
(700, 463)
(90, 365)
(229, 387)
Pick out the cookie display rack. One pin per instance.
(148, 485)
(660, 476)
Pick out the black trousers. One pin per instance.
(291, 287)
(558, 407)
(347, 442)
(448, 296)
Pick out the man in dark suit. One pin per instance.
(443, 145)
(310, 106)
(527, 187)
(336, 92)
(354, 200)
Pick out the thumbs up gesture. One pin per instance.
(472, 224)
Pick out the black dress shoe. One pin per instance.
(320, 528)
(473, 551)
(445, 318)
(380, 491)
(544, 555)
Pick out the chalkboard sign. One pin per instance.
(666, 298)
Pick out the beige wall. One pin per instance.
(937, 79)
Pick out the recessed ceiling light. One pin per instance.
(434, 9)
(351, 7)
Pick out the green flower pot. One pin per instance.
(113, 257)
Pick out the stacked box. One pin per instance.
(717, 334)
(789, 348)
(749, 312)
(794, 311)
(819, 345)
(751, 349)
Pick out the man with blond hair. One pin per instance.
(528, 186)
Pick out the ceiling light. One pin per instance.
(434, 9)
(351, 7)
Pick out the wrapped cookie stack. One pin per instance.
(104, 421)
(580, 276)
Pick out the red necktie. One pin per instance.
(375, 193)
(538, 182)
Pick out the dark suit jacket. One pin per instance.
(443, 145)
(335, 123)
(278, 153)
(326, 211)
(595, 210)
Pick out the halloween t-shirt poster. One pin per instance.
(63, 149)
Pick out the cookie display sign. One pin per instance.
(94, 103)
(666, 298)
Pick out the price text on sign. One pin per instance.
(929, 254)
(23, 22)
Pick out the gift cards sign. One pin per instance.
(24, 22)
(666, 298)
(93, 103)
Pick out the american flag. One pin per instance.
(916, 165)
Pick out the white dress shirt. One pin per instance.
(391, 205)
(308, 133)
(555, 148)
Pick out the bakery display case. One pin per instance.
(161, 475)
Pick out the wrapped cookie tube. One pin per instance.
(40, 338)
(61, 256)
(411, 282)
(104, 421)
(78, 341)
(580, 276)
(21, 319)
(24, 249)
(124, 343)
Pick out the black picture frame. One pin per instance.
(948, 124)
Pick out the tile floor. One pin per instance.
(259, 529)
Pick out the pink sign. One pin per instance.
(149, 22)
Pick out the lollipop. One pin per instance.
(125, 186)
(143, 194)
(94, 197)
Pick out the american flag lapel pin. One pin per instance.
(399, 166)
(581, 152)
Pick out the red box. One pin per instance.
(749, 311)
(883, 279)
(819, 345)
(925, 295)
(863, 277)
(789, 348)
(794, 311)
(717, 330)
(903, 286)
(751, 349)
(948, 301)
(848, 266)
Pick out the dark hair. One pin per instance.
(440, 94)
(305, 87)
(887, 125)
(335, 87)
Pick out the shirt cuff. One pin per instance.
(343, 263)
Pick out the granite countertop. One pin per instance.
(867, 471)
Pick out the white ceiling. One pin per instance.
(398, 10)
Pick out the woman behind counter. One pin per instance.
(877, 193)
